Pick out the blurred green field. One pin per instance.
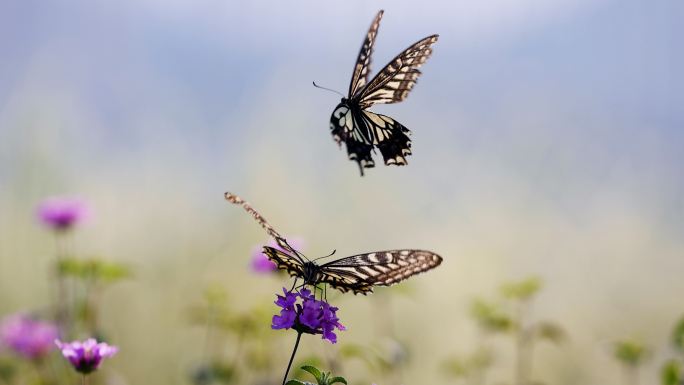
(547, 142)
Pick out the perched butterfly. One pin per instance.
(363, 130)
(358, 273)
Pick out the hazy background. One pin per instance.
(548, 139)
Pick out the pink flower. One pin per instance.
(26, 336)
(63, 212)
(86, 357)
(260, 263)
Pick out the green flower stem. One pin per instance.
(299, 336)
(85, 379)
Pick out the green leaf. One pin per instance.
(671, 373)
(630, 352)
(523, 289)
(550, 331)
(490, 316)
(678, 335)
(297, 382)
(313, 370)
(336, 380)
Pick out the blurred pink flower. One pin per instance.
(63, 212)
(26, 336)
(86, 356)
(260, 263)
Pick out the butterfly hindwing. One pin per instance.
(390, 136)
(396, 80)
(345, 281)
(363, 62)
(346, 126)
(383, 268)
(284, 261)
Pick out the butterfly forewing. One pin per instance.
(271, 231)
(396, 80)
(363, 62)
(384, 268)
(284, 261)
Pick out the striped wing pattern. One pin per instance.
(346, 126)
(358, 273)
(390, 136)
(284, 261)
(363, 130)
(271, 231)
(384, 268)
(396, 80)
(363, 62)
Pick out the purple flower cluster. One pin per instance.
(311, 316)
(86, 356)
(260, 263)
(26, 336)
(63, 212)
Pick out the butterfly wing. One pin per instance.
(363, 62)
(396, 80)
(390, 136)
(361, 272)
(349, 127)
(285, 261)
(282, 242)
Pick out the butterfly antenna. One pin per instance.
(331, 254)
(300, 255)
(317, 86)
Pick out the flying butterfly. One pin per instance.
(363, 130)
(358, 273)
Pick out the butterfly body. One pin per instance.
(358, 273)
(362, 130)
(311, 272)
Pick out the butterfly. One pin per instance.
(363, 130)
(358, 273)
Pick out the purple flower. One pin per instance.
(86, 357)
(260, 263)
(26, 336)
(63, 212)
(285, 320)
(287, 301)
(310, 316)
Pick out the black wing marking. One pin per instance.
(383, 268)
(345, 281)
(346, 126)
(363, 62)
(271, 231)
(390, 136)
(396, 80)
(285, 261)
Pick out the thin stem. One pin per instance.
(299, 335)
(61, 303)
(85, 379)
